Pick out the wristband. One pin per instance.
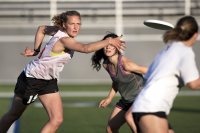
(37, 50)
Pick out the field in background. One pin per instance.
(82, 115)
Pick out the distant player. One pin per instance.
(126, 78)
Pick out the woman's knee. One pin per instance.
(128, 116)
(110, 129)
(56, 121)
(60, 120)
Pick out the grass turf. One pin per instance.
(184, 117)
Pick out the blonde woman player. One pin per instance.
(174, 63)
(126, 78)
(39, 77)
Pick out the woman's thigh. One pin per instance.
(17, 107)
(53, 104)
(153, 124)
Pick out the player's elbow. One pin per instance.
(41, 28)
(194, 85)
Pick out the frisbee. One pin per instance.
(158, 24)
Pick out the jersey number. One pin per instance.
(32, 99)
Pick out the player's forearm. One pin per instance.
(116, 42)
(39, 38)
(195, 85)
(91, 47)
(111, 93)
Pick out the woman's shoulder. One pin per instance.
(180, 50)
(181, 47)
(125, 60)
(61, 34)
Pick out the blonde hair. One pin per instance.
(59, 19)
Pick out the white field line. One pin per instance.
(94, 94)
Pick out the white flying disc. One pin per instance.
(158, 24)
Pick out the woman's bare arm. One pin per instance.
(39, 37)
(130, 66)
(194, 84)
(72, 44)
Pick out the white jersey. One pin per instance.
(161, 87)
(48, 65)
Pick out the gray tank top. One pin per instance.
(128, 85)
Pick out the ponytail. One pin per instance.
(185, 28)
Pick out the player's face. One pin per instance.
(110, 50)
(72, 26)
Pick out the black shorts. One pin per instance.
(123, 105)
(137, 117)
(29, 88)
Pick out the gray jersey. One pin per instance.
(128, 85)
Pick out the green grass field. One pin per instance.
(185, 115)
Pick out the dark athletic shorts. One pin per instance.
(123, 105)
(29, 88)
(137, 117)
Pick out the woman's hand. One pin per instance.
(28, 52)
(118, 43)
(104, 103)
